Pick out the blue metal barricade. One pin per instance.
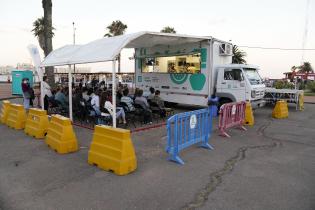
(186, 129)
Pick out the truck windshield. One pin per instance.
(253, 76)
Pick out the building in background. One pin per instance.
(6, 70)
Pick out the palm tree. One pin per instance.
(306, 67)
(116, 28)
(38, 31)
(43, 30)
(238, 55)
(293, 68)
(168, 29)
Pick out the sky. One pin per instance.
(268, 23)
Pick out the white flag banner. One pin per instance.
(33, 50)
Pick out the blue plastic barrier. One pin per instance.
(186, 129)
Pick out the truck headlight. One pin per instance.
(253, 93)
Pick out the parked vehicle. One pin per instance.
(191, 72)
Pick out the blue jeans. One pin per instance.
(97, 114)
(26, 103)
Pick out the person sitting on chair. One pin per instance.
(61, 98)
(160, 102)
(157, 99)
(95, 102)
(151, 96)
(142, 101)
(126, 99)
(120, 113)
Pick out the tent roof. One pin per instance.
(107, 49)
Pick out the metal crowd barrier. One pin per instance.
(231, 115)
(186, 129)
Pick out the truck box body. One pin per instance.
(204, 60)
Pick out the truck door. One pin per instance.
(231, 83)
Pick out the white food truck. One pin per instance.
(189, 73)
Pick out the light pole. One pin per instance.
(73, 41)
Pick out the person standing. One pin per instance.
(26, 93)
(47, 92)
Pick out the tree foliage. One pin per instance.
(39, 32)
(116, 28)
(280, 84)
(238, 55)
(306, 67)
(168, 29)
(311, 86)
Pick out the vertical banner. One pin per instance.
(36, 59)
(32, 49)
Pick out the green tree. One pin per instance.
(238, 55)
(280, 84)
(311, 86)
(38, 32)
(293, 68)
(306, 67)
(116, 28)
(168, 29)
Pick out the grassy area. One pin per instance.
(309, 93)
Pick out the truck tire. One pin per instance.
(224, 101)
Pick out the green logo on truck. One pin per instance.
(179, 78)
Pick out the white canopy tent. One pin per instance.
(107, 49)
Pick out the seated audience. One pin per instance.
(120, 113)
(61, 98)
(95, 102)
(126, 99)
(85, 95)
(142, 101)
(151, 96)
(157, 99)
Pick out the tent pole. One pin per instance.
(42, 95)
(40, 76)
(70, 92)
(114, 92)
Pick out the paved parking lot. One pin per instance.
(269, 166)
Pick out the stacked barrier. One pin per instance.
(281, 110)
(249, 116)
(36, 123)
(60, 136)
(231, 115)
(16, 116)
(186, 129)
(4, 111)
(112, 150)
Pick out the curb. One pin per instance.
(9, 98)
(131, 131)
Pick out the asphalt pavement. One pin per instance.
(269, 166)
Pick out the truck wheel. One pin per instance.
(224, 101)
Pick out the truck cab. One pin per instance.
(239, 82)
